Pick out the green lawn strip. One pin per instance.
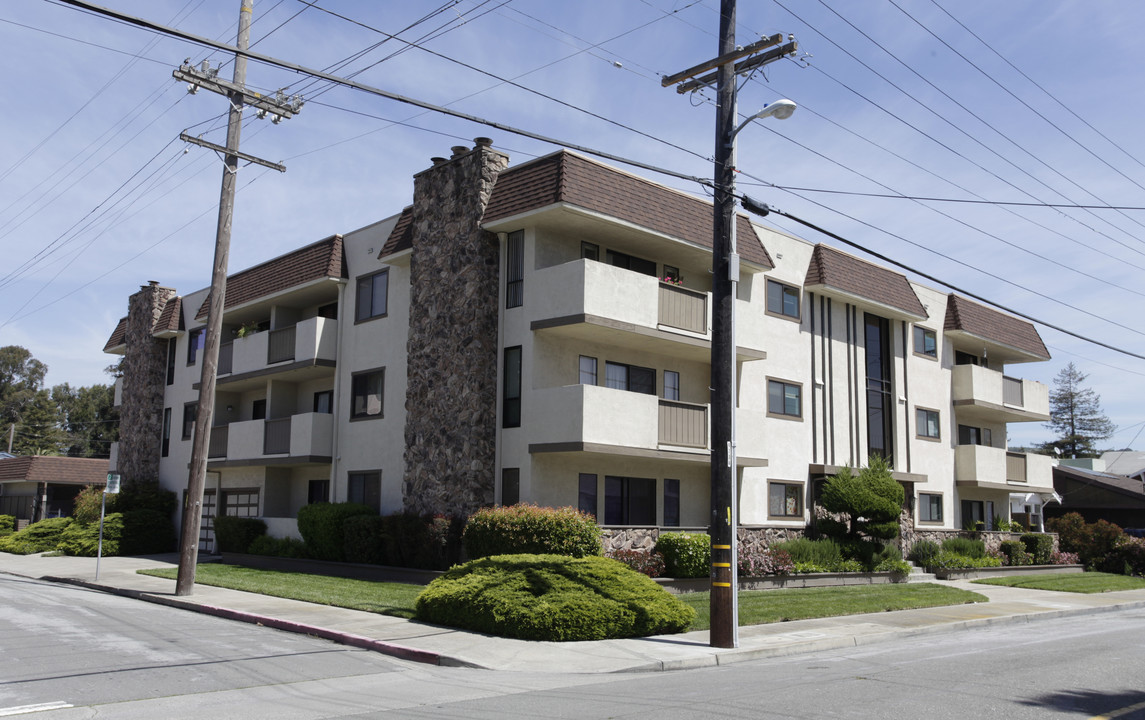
(758, 607)
(1090, 582)
(384, 598)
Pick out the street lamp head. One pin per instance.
(780, 110)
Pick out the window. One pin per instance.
(589, 251)
(510, 486)
(671, 385)
(166, 431)
(671, 502)
(973, 513)
(672, 274)
(515, 269)
(619, 376)
(784, 398)
(785, 500)
(171, 361)
(927, 421)
(318, 491)
(629, 262)
(366, 390)
(964, 358)
(929, 507)
(586, 494)
(324, 401)
(629, 501)
(587, 370)
(511, 390)
(782, 299)
(258, 409)
(372, 292)
(189, 420)
(925, 342)
(365, 488)
(194, 345)
(328, 311)
(240, 503)
(880, 403)
(968, 435)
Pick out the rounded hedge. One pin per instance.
(321, 525)
(528, 529)
(686, 555)
(552, 597)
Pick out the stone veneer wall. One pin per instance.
(451, 398)
(144, 380)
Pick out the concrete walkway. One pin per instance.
(443, 646)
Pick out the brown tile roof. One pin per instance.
(324, 258)
(171, 319)
(835, 269)
(118, 336)
(970, 317)
(401, 237)
(46, 468)
(570, 178)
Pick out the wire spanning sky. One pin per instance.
(1020, 110)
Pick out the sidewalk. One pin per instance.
(443, 646)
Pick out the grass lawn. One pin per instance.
(1090, 582)
(384, 598)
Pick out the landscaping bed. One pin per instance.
(778, 582)
(973, 573)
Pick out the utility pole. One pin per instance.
(724, 574)
(279, 107)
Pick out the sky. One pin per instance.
(991, 145)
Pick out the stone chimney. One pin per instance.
(144, 381)
(451, 396)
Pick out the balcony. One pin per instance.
(998, 469)
(985, 396)
(307, 437)
(301, 349)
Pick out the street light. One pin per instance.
(780, 110)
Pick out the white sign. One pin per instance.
(112, 484)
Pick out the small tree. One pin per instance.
(1076, 416)
(869, 504)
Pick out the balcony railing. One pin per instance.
(997, 468)
(312, 340)
(683, 309)
(986, 395)
(1012, 391)
(683, 424)
(301, 435)
(1015, 467)
(226, 358)
(280, 345)
(276, 439)
(217, 447)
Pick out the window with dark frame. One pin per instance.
(785, 500)
(195, 340)
(671, 385)
(925, 342)
(880, 401)
(589, 251)
(629, 501)
(511, 389)
(671, 502)
(189, 420)
(586, 494)
(171, 344)
(782, 299)
(367, 393)
(630, 262)
(969, 435)
(633, 378)
(324, 401)
(515, 269)
(929, 507)
(373, 291)
(510, 486)
(166, 432)
(365, 488)
(672, 273)
(258, 409)
(784, 398)
(317, 491)
(928, 423)
(587, 370)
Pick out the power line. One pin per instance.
(957, 200)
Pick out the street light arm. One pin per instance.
(780, 110)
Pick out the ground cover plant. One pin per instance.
(1090, 582)
(552, 597)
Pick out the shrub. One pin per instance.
(37, 537)
(364, 539)
(286, 547)
(869, 504)
(1094, 543)
(772, 561)
(964, 546)
(7, 525)
(147, 496)
(686, 555)
(924, 552)
(1128, 557)
(642, 561)
(1065, 558)
(1014, 553)
(322, 527)
(1040, 546)
(551, 597)
(83, 540)
(146, 532)
(89, 501)
(528, 529)
(429, 542)
(952, 561)
(235, 534)
(898, 567)
(822, 552)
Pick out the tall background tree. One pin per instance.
(21, 377)
(1076, 416)
(89, 417)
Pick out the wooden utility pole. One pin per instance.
(204, 414)
(724, 631)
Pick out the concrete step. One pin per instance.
(918, 575)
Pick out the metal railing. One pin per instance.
(683, 424)
(217, 447)
(1012, 391)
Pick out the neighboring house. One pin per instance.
(34, 487)
(541, 333)
(1088, 487)
(1128, 463)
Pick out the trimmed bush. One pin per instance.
(891, 565)
(235, 534)
(365, 539)
(1065, 558)
(924, 552)
(823, 553)
(529, 529)
(950, 561)
(1128, 557)
(82, 540)
(7, 525)
(322, 526)
(1014, 553)
(88, 503)
(685, 555)
(772, 561)
(642, 561)
(551, 597)
(37, 537)
(146, 496)
(964, 546)
(1095, 543)
(1040, 546)
(286, 547)
(146, 532)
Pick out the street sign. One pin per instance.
(112, 486)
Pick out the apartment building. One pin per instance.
(541, 333)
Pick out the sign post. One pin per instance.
(111, 488)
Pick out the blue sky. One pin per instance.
(1018, 102)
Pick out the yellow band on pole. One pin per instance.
(727, 565)
(716, 584)
(721, 547)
